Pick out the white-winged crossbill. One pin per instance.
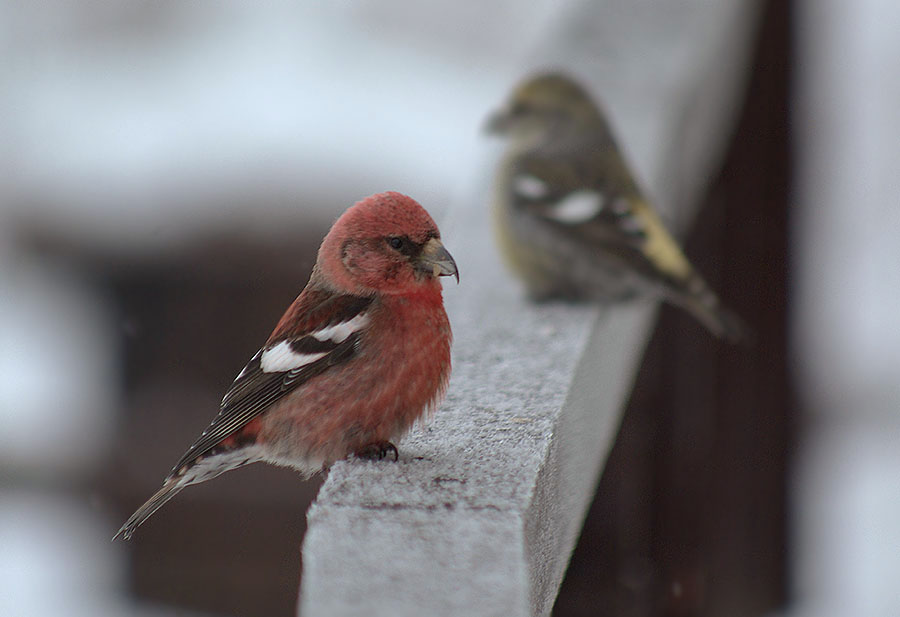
(572, 221)
(360, 355)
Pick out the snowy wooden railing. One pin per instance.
(482, 511)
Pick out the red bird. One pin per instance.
(361, 354)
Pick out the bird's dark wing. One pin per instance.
(324, 331)
(587, 193)
(607, 211)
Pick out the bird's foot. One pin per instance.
(378, 451)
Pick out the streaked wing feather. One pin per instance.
(254, 390)
(628, 228)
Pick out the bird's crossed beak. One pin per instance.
(436, 260)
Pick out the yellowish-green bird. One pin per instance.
(570, 218)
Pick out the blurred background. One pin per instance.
(167, 170)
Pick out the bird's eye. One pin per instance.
(519, 109)
(396, 243)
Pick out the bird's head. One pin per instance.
(543, 105)
(387, 243)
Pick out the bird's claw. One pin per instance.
(378, 451)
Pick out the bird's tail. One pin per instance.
(172, 487)
(701, 302)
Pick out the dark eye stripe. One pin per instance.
(519, 108)
(404, 245)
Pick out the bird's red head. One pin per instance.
(386, 243)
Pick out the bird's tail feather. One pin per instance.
(723, 323)
(171, 488)
(701, 302)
